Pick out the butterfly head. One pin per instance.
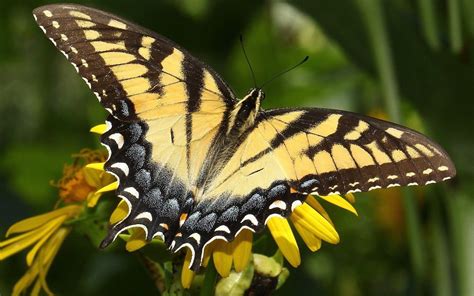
(257, 93)
(252, 101)
(246, 110)
(255, 97)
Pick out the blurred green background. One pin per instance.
(410, 61)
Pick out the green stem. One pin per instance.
(414, 234)
(461, 216)
(155, 270)
(454, 25)
(428, 22)
(85, 218)
(441, 264)
(468, 13)
(209, 283)
(372, 13)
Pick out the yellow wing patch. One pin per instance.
(128, 71)
(91, 34)
(112, 58)
(328, 126)
(100, 46)
(361, 156)
(78, 14)
(117, 24)
(342, 157)
(84, 24)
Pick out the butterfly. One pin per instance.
(195, 164)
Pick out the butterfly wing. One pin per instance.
(166, 109)
(292, 153)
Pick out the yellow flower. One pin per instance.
(45, 233)
(84, 179)
(312, 223)
(225, 255)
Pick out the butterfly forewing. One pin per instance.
(130, 68)
(352, 153)
(166, 107)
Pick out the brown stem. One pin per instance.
(155, 271)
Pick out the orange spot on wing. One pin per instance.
(183, 218)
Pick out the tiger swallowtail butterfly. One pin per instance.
(195, 164)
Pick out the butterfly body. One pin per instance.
(196, 165)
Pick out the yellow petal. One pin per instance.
(315, 223)
(111, 187)
(42, 277)
(32, 253)
(283, 236)
(242, 246)
(99, 129)
(318, 207)
(350, 197)
(31, 239)
(25, 281)
(340, 202)
(106, 178)
(92, 199)
(223, 257)
(36, 288)
(208, 253)
(136, 241)
(37, 221)
(120, 212)
(40, 267)
(15, 239)
(311, 240)
(52, 246)
(96, 166)
(93, 177)
(47, 255)
(187, 275)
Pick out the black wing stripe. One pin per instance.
(195, 74)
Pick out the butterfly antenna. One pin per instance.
(248, 61)
(285, 71)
